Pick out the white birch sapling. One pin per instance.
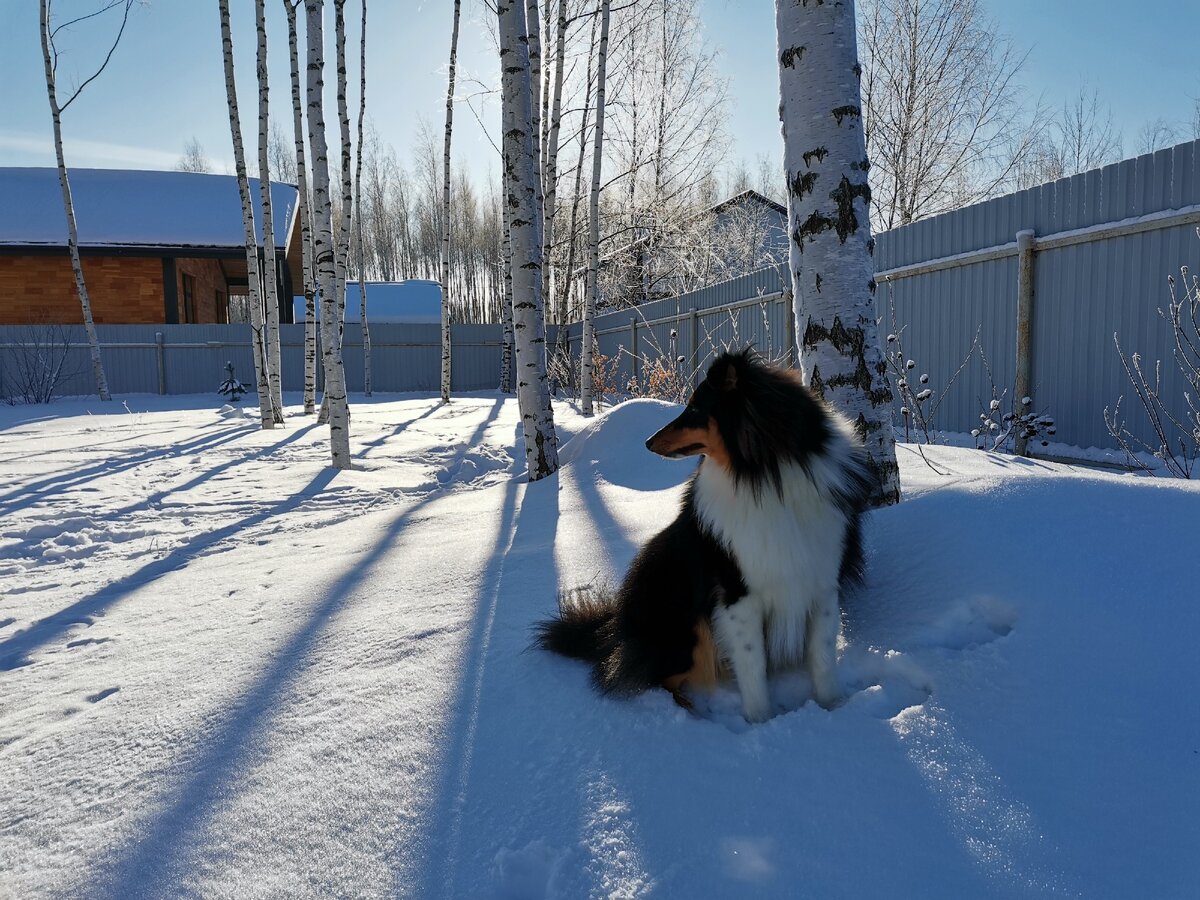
(507, 350)
(323, 242)
(445, 273)
(270, 279)
(550, 165)
(362, 278)
(564, 289)
(305, 214)
(587, 382)
(50, 60)
(533, 395)
(829, 202)
(266, 407)
(343, 248)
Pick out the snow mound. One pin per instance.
(614, 445)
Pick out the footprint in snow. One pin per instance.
(5, 622)
(100, 695)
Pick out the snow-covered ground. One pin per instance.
(225, 671)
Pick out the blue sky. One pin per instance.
(165, 83)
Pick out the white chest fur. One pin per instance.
(789, 548)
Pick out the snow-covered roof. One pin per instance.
(747, 196)
(128, 208)
(413, 302)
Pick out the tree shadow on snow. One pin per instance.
(152, 863)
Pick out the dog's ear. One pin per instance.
(723, 374)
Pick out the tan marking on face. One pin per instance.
(707, 440)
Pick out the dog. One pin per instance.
(749, 576)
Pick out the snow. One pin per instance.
(227, 671)
(413, 301)
(129, 208)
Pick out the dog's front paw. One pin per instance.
(756, 713)
(830, 699)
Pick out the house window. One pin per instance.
(189, 299)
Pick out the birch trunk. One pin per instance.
(265, 406)
(343, 248)
(550, 164)
(533, 395)
(564, 291)
(446, 371)
(829, 201)
(64, 181)
(506, 301)
(310, 323)
(270, 278)
(362, 278)
(590, 301)
(323, 242)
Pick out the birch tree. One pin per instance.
(829, 202)
(550, 159)
(590, 302)
(270, 278)
(324, 248)
(446, 370)
(529, 324)
(257, 324)
(305, 214)
(50, 60)
(362, 278)
(945, 125)
(342, 235)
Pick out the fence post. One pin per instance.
(789, 317)
(1024, 380)
(160, 354)
(695, 327)
(633, 349)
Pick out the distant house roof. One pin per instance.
(124, 208)
(754, 196)
(414, 302)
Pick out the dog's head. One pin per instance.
(697, 430)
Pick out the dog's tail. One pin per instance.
(583, 628)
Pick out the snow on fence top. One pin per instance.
(411, 302)
(129, 208)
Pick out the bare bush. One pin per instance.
(1175, 426)
(36, 364)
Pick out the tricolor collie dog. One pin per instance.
(749, 575)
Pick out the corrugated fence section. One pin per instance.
(190, 359)
(1104, 243)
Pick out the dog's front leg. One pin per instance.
(739, 632)
(820, 651)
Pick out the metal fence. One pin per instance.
(190, 359)
(1101, 248)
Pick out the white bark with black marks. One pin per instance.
(525, 230)
(446, 361)
(50, 59)
(257, 325)
(362, 278)
(550, 161)
(587, 377)
(323, 243)
(305, 215)
(507, 350)
(829, 203)
(270, 278)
